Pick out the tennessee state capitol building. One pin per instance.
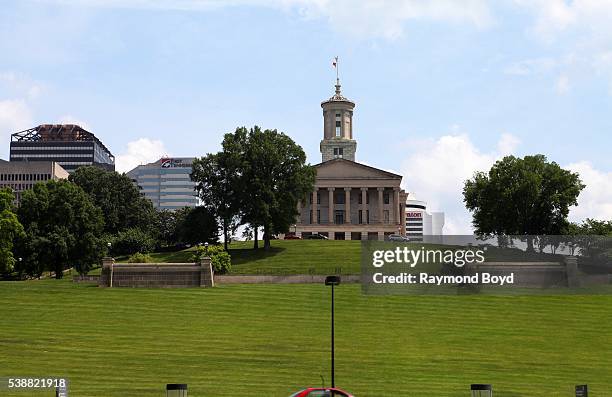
(351, 201)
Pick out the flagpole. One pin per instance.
(337, 71)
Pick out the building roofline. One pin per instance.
(359, 164)
(79, 133)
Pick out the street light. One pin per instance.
(332, 280)
(481, 390)
(176, 390)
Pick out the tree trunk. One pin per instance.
(225, 234)
(58, 272)
(256, 238)
(266, 238)
(530, 247)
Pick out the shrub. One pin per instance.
(140, 258)
(131, 241)
(220, 260)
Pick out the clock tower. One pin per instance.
(338, 139)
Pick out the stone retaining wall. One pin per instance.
(156, 275)
(287, 279)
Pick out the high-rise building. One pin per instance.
(21, 176)
(69, 145)
(421, 223)
(167, 183)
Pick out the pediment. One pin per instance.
(346, 169)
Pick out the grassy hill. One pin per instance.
(285, 257)
(270, 340)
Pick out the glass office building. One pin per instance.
(69, 145)
(167, 183)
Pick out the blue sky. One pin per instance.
(442, 88)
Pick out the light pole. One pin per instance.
(332, 280)
(110, 284)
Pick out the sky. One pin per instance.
(443, 88)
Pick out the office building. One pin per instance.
(421, 223)
(21, 176)
(167, 183)
(69, 145)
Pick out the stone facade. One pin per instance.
(156, 275)
(351, 201)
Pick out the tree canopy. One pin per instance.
(118, 198)
(62, 229)
(10, 229)
(257, 178)
(522, 196)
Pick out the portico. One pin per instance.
(352, 201)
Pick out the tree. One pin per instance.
(10, 229)
(218, 182)
(132, 240)
(275, 176)
(199, 226)
(62, 228)
(527, 196)
(118, 198)
(168, 226)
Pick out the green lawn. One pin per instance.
(269, 340)
(284, 257)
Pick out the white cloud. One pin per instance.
(563, 85)
(21, 84)
(437, 170)
(379, 18)
(580, 30)
(140, 151)
(531, 66)
(595, 201)
(15, 116)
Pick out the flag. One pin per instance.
(335, 62)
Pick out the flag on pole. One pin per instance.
(335, 62)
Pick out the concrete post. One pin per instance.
(106, 275)
(347, 205)
(207, 278)
(571, 270)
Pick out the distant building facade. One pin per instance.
(167, 183)
(351, 201)
(69, 145)
(22, 176)
(420, 223)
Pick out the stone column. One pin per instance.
(364, 206)
(330, 208)
(571, 271)
(298, 220)
(207, 278)
(396, 205)
(380, 203)
(314, 206)
(347, 205)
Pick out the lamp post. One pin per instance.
(481, 390)
(332, 280)
(176, 390)
(110, 284)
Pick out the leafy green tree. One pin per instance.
(63, 228)
(132, 240)
(218, 178)
(274, 177)
(168, 226)
(118, 198)
(10, 229)
(199, 226)
(527, 196)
